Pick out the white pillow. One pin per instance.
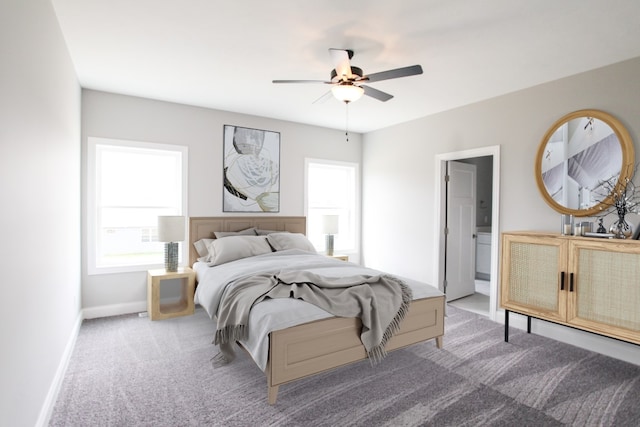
(236, 247)
(283, 241)
(202, 247)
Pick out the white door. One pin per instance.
(460, 243)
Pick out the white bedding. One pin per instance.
(276, 314)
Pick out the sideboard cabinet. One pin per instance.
(591, 284)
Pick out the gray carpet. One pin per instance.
(129, 371)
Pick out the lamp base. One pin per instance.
(329, 244)
(171, 256)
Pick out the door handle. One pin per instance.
(562, 281)
(571, 282)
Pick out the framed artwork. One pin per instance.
(251, 170)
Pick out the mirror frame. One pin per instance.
(626, 170)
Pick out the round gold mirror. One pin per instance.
(579, 153)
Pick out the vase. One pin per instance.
(621, 229)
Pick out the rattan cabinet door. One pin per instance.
(531, 277)
(606, 294)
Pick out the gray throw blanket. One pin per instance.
(381, 302)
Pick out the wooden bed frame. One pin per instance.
(318, 346)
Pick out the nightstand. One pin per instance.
(340, 257)
(184, 306)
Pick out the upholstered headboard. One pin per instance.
(204, 227)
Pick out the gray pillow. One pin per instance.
(232, 248)
(260, 232)
(202, 247)
(283, 241)
(246, 232)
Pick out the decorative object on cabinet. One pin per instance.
(566, 227)
(624, 199)
(621, 228)
(603, 235)
(171, 231)
(251, 170)
(586, 226)
(579, 152)
(588, 284)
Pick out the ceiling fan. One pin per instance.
(347, 80)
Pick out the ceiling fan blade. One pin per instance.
(377, 94)
(394, 74)
(301, 81)
(340, 58)
(323, 98)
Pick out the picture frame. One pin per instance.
(251, 170)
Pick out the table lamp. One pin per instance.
(330, 227)
(171, 231)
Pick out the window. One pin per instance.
(130, 184)
(332, 188)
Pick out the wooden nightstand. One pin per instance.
(185, 306)
(340, 257)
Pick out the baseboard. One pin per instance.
(87, 313)
(611, 347)
(54, 389)
(114, 309)
(483, 276)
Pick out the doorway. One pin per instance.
(485, 234)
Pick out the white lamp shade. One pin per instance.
(171, 228)
(347, 93)
(330, 224)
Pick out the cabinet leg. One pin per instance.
(528, 324)
(506, 326)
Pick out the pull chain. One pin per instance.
(346, 126)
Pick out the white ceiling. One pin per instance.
(224, 54)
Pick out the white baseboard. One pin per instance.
(87, 313)
(114, 309)
(611, 347)
(54, 389)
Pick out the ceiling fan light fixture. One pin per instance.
(347, 93)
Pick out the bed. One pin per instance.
(321, 342)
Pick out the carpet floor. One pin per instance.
(130, 371)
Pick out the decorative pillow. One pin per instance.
(282, 241)
(247, 232)
(202, 247)
(236, 247)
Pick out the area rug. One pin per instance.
(130, 371)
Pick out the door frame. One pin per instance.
(440, 216)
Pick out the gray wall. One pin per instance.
(40, 215)
(399, 179)
(117, 116)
